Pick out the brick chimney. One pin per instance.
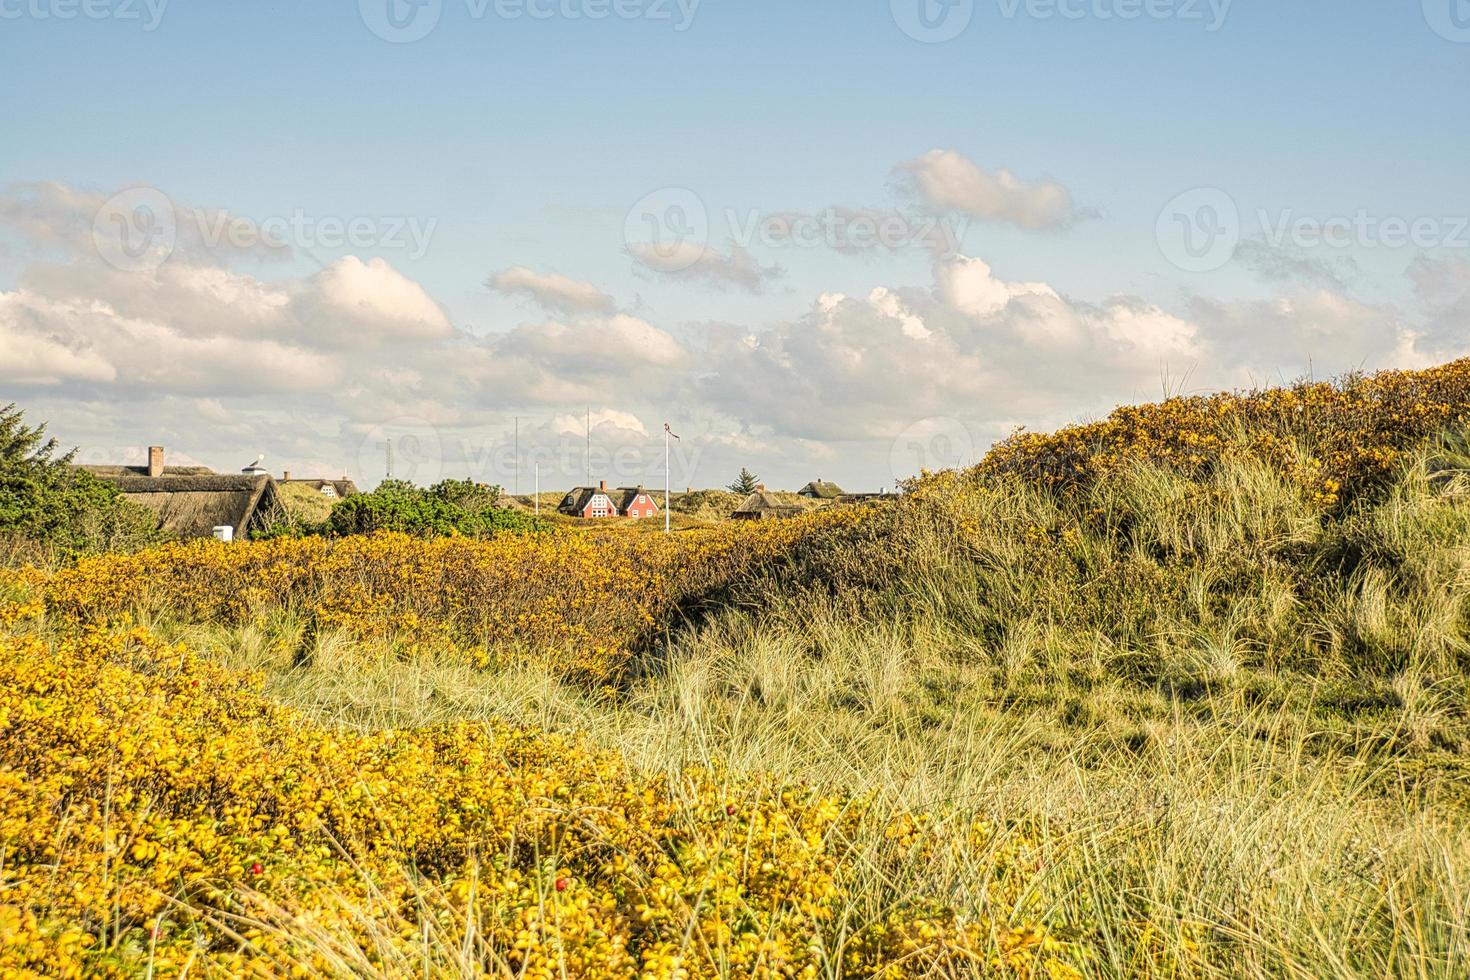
(285, 474)
(155, 461)
(602, 485)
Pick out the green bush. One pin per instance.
(460, 507)
(48, 503)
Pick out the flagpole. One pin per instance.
(667, 433)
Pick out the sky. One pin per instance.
(837, 239)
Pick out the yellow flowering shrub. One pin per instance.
(583, 601)
(159, 816)
(1356, 432)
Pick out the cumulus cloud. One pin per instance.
(312, 366)
(693, 262)
(90, 341)
(596, 345)
(552, 291)
(948, 181)
(355, 300)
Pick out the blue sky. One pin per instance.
(523, 143)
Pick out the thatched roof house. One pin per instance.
(820, 489)
(191, 501)
(311, 501)
(764, 505)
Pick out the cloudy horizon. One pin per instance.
(883, 243)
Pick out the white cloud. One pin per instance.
(371, 298)
(31, 352)
(948, 181)
(552, 291)
(967, 285)
(576, 425)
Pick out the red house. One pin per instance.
(636, 502)
(599, 501)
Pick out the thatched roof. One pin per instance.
(107, 472)
(576, 500)
(821, 490)
(192, 501)
(306, 500)
(624, 496)
(765, 504)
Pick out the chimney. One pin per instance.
(155, 461)
(602, 485)
(285, 474)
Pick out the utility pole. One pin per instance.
(537, 498)
(589, 446)
(518, 457)
(388, 463)
(667, 433)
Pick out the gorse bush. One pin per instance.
(583, 604)
(196, 828)
(1335, 439)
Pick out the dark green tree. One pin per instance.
(47, 501)
(745, 483)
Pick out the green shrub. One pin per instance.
(450, 507)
